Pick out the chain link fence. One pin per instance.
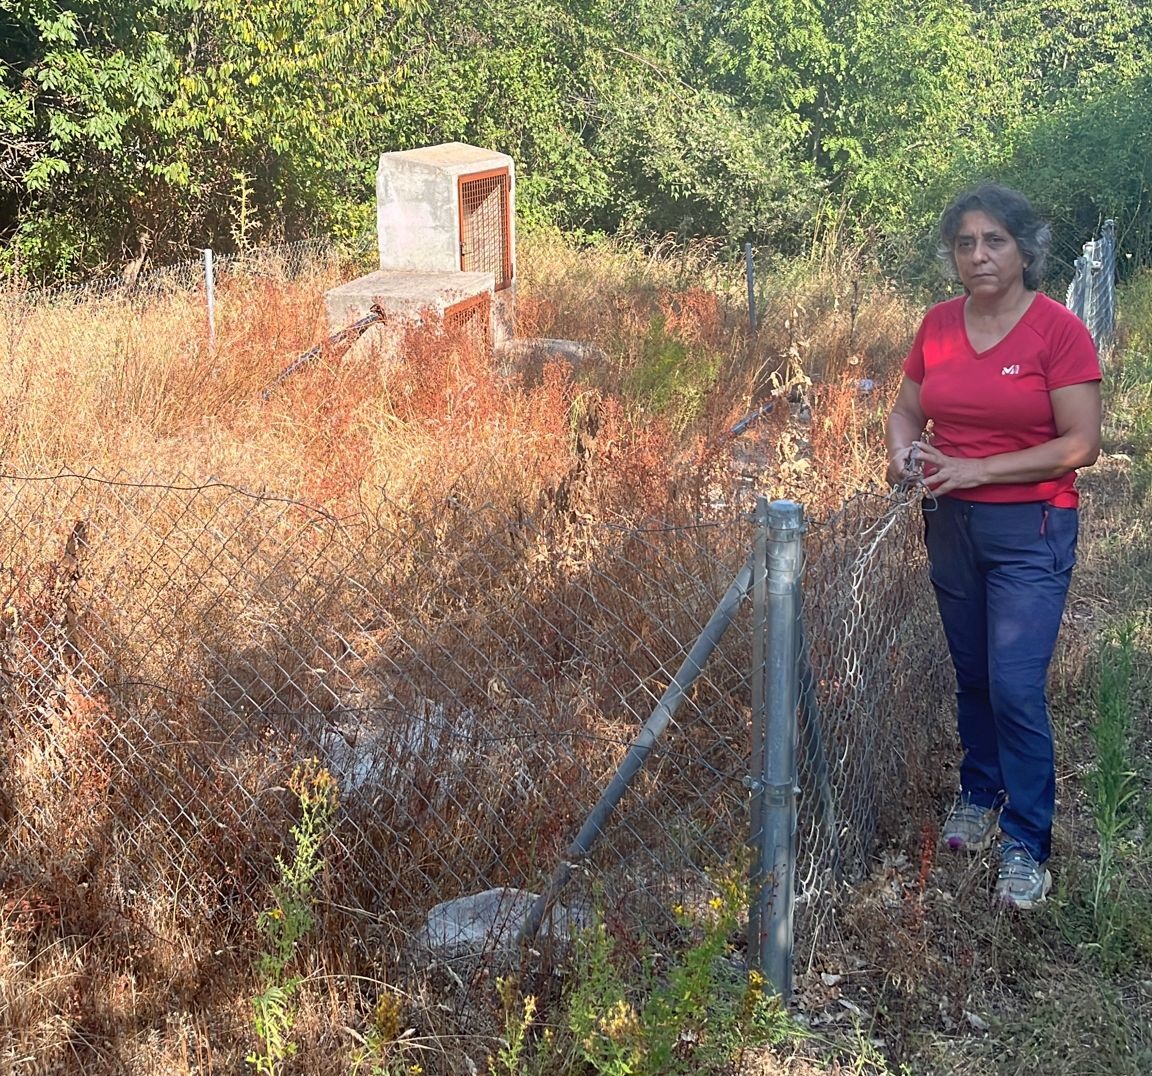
(1092, 293)
(282, 260)
(171, 652)
(48, 315)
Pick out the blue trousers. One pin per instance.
(1001, 575)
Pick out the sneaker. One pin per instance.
(970, 827)
(1022, 882)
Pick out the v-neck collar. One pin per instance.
(1016, 325)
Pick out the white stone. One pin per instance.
(491, 920)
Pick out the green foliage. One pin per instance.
(511, 77)
(692, 162)
(696, 1017)
(518, 1016)
(117, 119)
(603, 1022)
(1085, 161)
(290, 918)
(385, 1050)
(1112, 783)
(734, 120)
(1111, 920)
(1072, 127)
(672, 379)
(1134, 311)
(1128, 378)
(915, 82)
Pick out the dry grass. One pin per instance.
(110, 966)
(134, 951)
(130, 386)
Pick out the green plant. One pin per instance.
(671, 378)
(1130, 420)
(244, 224)
(1112, 783)
(706, 1002)
(1110, 923)
(518, 1016)
(1134, 317)
(385, 1035)
(602, 1020)
(699, 1016)
(290, 917)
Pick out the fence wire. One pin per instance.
(1092, 293)
(282, 260)
(170, 652)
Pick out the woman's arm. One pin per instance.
(905, 426)
(1076, 409)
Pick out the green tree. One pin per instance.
(1088, 161)
(1076, 76)
(512, 78)
(116, 119)
(616, 119)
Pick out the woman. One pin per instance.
(1010, 382)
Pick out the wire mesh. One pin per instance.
(282, 261)
(1092, 293)
(871, 706)
(171, 651)
(485, 225)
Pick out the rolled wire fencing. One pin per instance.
(1092, 293)
(172, 652)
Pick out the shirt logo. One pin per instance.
(1011, 370)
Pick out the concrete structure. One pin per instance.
(404, 295)
(446, 225)
(455, 299)
(447, 208)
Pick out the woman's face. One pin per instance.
(987, 256)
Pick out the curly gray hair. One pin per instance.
(1011, 209)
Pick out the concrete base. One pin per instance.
(406, 299)
(406, 295)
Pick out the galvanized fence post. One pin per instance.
(775, 697)
(1107, 305)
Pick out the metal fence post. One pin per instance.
(750, 272)
(773, 778)
(1107, 304)
(210, 290)
(1092, 269)
(1092, 293)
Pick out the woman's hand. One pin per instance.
(898, 465)
(942, 473)
(904, 426)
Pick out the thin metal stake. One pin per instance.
(750, 271)
(210, 289)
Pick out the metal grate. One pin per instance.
(485, 225)
(471, 316)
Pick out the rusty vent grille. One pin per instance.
(471, 317)
(485, 225)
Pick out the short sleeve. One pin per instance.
(914, 363)
(1073, 359)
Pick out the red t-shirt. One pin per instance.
(997, 401)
